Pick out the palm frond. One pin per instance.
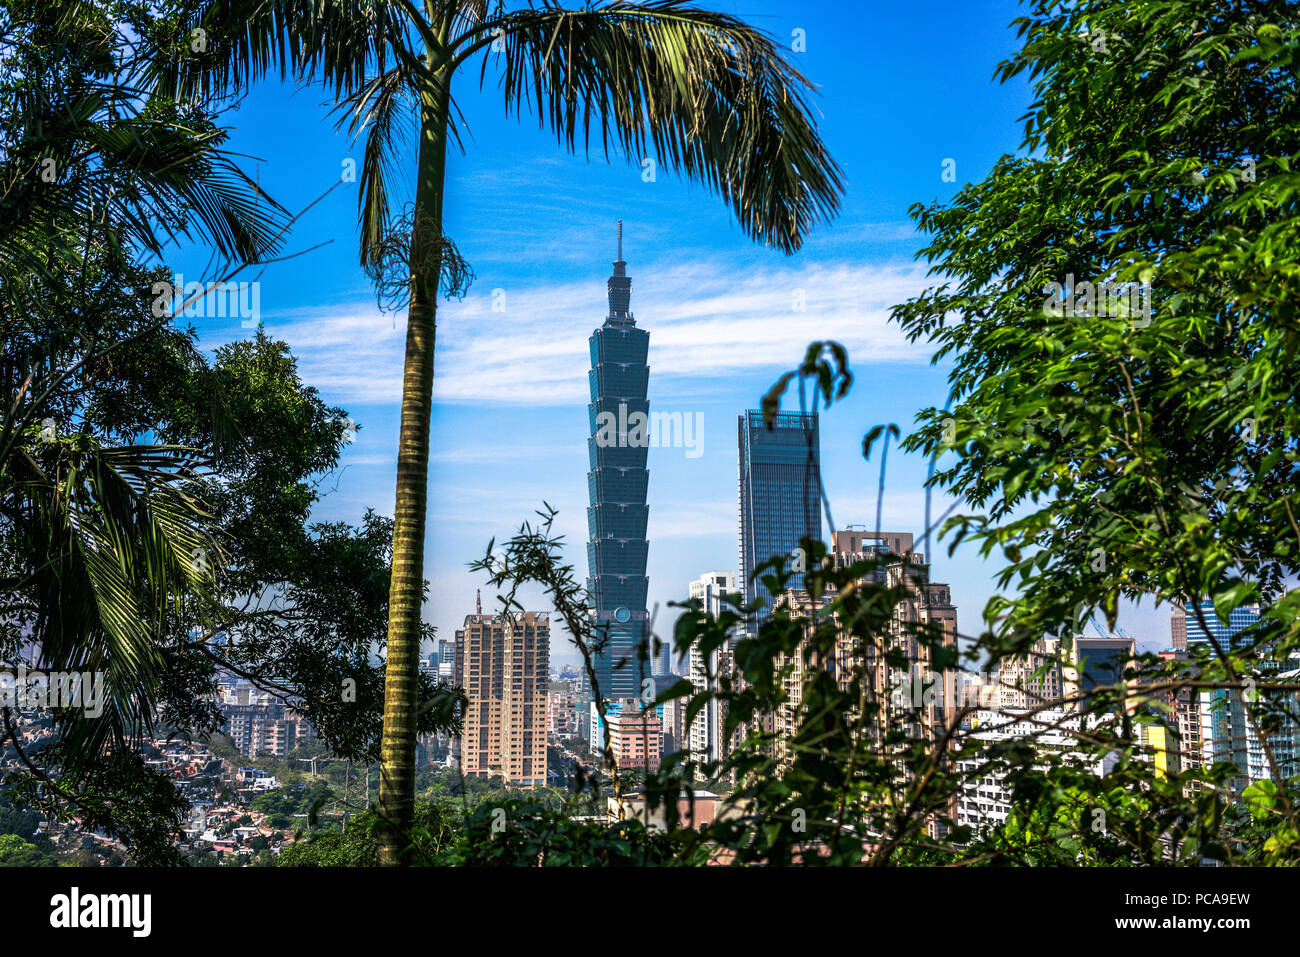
(114, 540)
(381, 108)
(709, 95)
(338, 42)
(173, 167)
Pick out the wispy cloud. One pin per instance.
(527, 344)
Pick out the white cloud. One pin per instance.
(734, 321)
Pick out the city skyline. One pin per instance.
(354, 518)
(729, 317)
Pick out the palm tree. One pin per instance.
(702, 92)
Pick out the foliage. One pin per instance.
(1121, 453)
(15, 852)
(147, 493)
(433, 829)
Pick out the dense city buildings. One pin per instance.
(985, 797)
(927, 608)
(446, 659)
(561, 709)
(616, 484)
(1214, 724)
(795, 667)
(1030, 680)
(891, 662)
(1183, 749)
(1279, 725)
(779, 495)
(1228, 733)
(503, 664)
(259, 723)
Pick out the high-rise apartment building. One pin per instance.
(1030, 680)
(616, 484)
(779, 495)
(704, 737)
(1213, 724)
(502, 664)
(899, 670)
(1183, 749)
(986, 797)
(1178, 627)
(928, 606)
(259, 723)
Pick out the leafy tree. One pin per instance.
(435, 825)
(17, 819)
(147, 493)
(15, 852)
(98, 533)
(1137, 446)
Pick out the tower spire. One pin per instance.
(619, 285)
(478, 601)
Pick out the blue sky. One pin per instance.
(903, 87)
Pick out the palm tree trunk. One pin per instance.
(406, 590)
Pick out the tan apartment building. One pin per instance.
(635, 735)
(927, 602)
(503, 664)
(1031, 680)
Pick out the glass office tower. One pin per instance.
(1234, 633)
(616, 486)
(780, 494)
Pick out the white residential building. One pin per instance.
(985, 801)
(705, 734)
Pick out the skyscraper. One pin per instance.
(780, 494)
(503, 663)
(1178, 627)
(616, 485)
(1234, 633)
(1102, 662)
(1227, 732)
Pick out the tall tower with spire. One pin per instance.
(616, 484)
